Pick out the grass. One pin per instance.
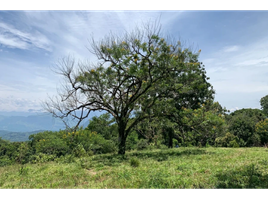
(171, 168)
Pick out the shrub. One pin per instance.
(233, 143)
(79, 151)
(255, 140)
(134, 162)
(4, 161)
(142, 144)
(229, 140)
(261, 129)
(41, 158)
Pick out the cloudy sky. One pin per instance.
(234, 48)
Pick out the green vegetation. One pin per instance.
(17, 136)
(140, 75)
(170, 168)
(156, 97)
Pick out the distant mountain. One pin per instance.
(17, 136)
(17, 126)
(30, 123)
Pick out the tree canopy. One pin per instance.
(140, 74)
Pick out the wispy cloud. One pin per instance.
(12, 103)
(14, 38)
(231, 48)
(236, 63)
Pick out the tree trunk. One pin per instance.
(122, 146)
(170, 142)
(122, 139)
(170, 137)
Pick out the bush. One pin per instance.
(142, 144)
(175, 142)
(134, 162)
(66, 159)
(79, 151)
(163, 147)
(49, 143)
(233, 143)
(131, 142)
(261, 129)
(229, 140)
(255, 140)
(4, 161)
(41, 158)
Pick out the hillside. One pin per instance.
(17, 136)
(17, 126)
(165, 168)
(30, 123)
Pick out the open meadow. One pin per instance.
(188, 167)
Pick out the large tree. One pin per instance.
(135, 72)
(242, 123)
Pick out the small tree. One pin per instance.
(264, 104)
(135, 72)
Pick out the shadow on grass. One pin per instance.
(248, 177)
(159, 156)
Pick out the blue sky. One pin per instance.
(234, 48)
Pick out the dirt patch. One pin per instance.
(91, 171)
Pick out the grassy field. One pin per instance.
(171, 168)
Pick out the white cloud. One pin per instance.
(13, 42)
(12, 103)
(234, 109)
(14, 38)
(231, 48)
(237, 69)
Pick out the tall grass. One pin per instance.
(171, 168)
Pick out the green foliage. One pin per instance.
(23, 153)
(139, 75)
(23, 170)
(5, 160)
(42, 158)
(179, 168)
(142, 144)
(69, 158)
(204, 124)
(49, 142)
(134, 162)
(242, 124)
(104, 126)
(132, 140)
(175, 142)
(261, 128)
(264, 104)
(229, 140)
(79, 151)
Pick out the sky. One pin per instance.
(234, 49)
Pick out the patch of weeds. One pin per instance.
(115, 162)
(85, 164)
(157, 180)
(23, 170)
(182, 167)
(248, 177)
(202, 170)
(2, 182)
(124, 175)
(66, 159)
(263, 162)
(162, 158)
(99, 166)
(134, 162)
